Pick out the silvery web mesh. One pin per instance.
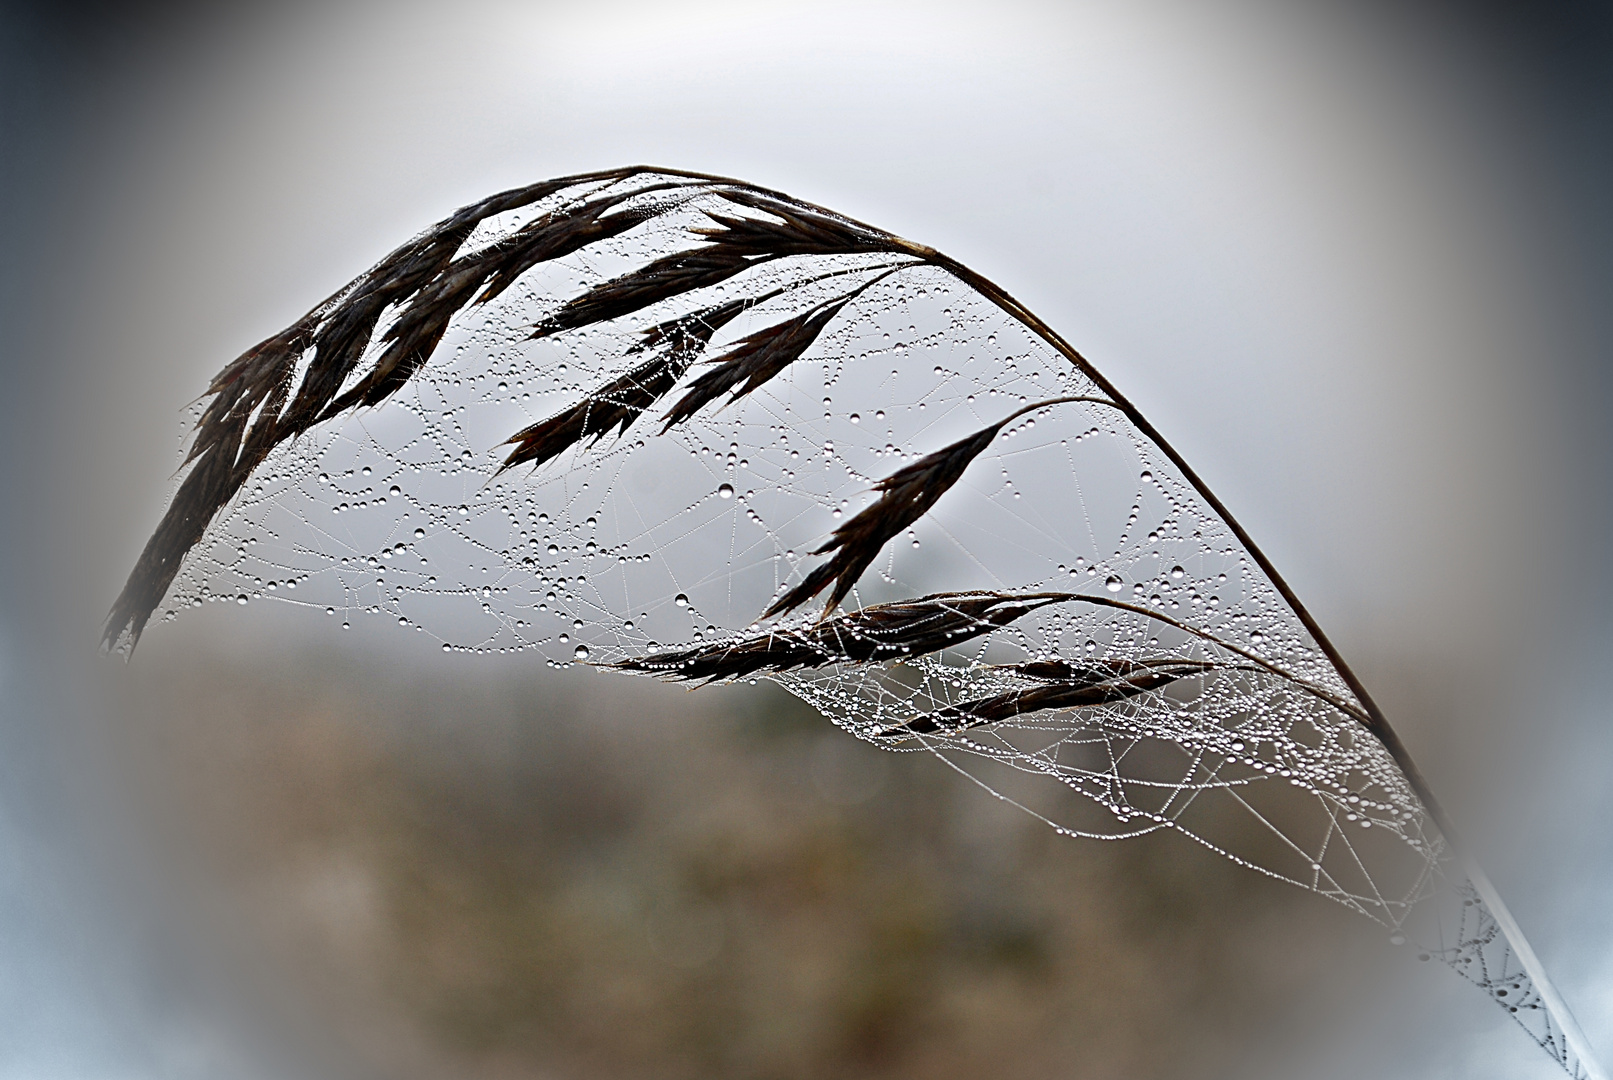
(650, 541)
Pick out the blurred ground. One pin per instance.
(522, 875)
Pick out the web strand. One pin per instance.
(680, 427)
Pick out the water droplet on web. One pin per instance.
(420, 534)
(855, 419)
(682, 600)
(726, 491)
(394, 490)
(241, 599)
(1397, 938)
(365, 470)
(464, 511)
(1177, 572)
(581, 652)
(1113, 583)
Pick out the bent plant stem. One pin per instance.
(1374, 719)
(400, 276)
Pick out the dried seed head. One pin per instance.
(876, 633)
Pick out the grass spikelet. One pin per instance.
(875, 633)
(759, 357)
(735, 244)
(620, 402)
(1086, 686)
(905, 496)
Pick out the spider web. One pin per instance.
(649, 543)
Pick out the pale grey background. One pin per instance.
(1353, 261)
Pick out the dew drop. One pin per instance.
(855, 419)
(726, 491)
(1177, 572)
(681, 600)
(394, 491)
(420, 534)
(464, 511)
(1113, 583)
(241, 599)
(581, 652)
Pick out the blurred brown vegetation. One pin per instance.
(480, 870)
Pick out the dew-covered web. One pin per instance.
(1067, 622)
